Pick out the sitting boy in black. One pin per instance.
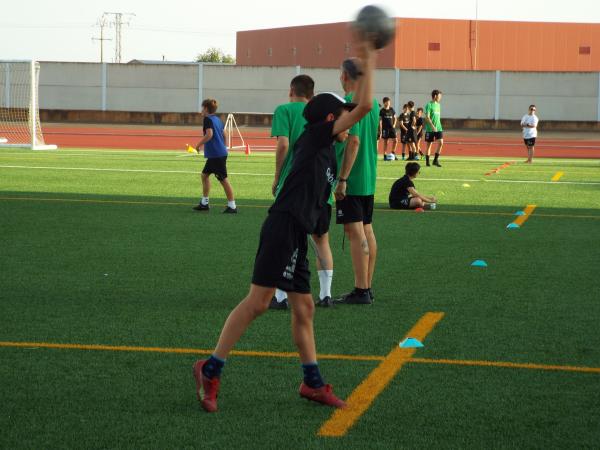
(404, 195)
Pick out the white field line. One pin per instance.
(195, 172)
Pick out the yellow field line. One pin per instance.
(528, 211)
(125, 348)
(511, 365)
(366, 392)
(394, 211)
(325, 356)
(557, 176)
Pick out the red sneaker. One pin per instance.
(322, 395)
(210, 387)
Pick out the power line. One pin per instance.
(102, 22)
(119, 20)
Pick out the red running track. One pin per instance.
(146, 138)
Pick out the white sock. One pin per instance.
(280, 295)
(325, 279)
(204, 201)
(231, 204)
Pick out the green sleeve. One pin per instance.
(281, 122)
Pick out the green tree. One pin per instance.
(215, 55)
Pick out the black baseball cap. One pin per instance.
(321, 105)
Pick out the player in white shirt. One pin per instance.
(529, 123)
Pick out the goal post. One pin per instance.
(19, 106)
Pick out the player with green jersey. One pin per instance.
(288, 124)
(433, 126)
(357, 170)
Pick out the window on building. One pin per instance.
(585, 50)
(294, 51)
(248, 53)
(433, 47)
(270, 51)
(319, 49)
(347, 48)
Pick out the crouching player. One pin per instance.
(281, 260)
(403, 194)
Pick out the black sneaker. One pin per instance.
(278, 305)
(325, 302)
(355, 298)
(229, 210)
(371, 296)
(436, 163)
(201, 207)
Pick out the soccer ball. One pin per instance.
(374, 22)
(389, 157)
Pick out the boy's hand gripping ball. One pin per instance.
(373, 23)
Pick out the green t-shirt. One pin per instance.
(363, 175)
(288, 121)
(433, 111)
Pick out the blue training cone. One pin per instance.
(479, 263)
(512, 225)
(411, 343)
(520, 213)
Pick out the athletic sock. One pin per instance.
(204, 201)
(212, 367)
(280, 295)
(312, 376)
(427, 159)
(231, 204)
(437, 155)
(325, 278)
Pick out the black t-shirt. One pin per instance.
(387, 118)
(405, 119)
(307, 187)
(419, 123)
(400, 189)
(411, 117)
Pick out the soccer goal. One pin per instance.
(19, 106)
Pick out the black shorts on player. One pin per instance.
(281, 257)
(403, 136)
(529, 142)
(431, 136)
(410, 135)
(323, 222)
(403, 203)
(355, 208)
(388, 133)
(217, 166)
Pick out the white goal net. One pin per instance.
(19, 106)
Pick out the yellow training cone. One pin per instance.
(190, 149)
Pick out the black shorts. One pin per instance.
(419, 135)
(403, 203)
(355, 208)
(218, 166)
(403, 136)
(431, 136)
(529, 142)
(324, 221)
(388, 133)
(281, 260)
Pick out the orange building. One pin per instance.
(436, 44)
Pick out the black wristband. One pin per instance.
(342, 180)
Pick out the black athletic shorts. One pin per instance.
(431, 136)
(388, 133)
(410, 135)
(355, 208)
(403, 136)
(281, 256)
(529, 142)
(403, 203)
(218, 166)
(324, 221)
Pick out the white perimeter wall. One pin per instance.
(180, 88)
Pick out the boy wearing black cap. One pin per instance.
(281, 257)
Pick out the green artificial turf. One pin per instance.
(102, 247)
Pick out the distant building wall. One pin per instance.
(434, 44)
(181, 88)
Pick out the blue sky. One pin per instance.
(62, 30)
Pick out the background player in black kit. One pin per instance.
(387, 125)
(404, 122)
(281, 257)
